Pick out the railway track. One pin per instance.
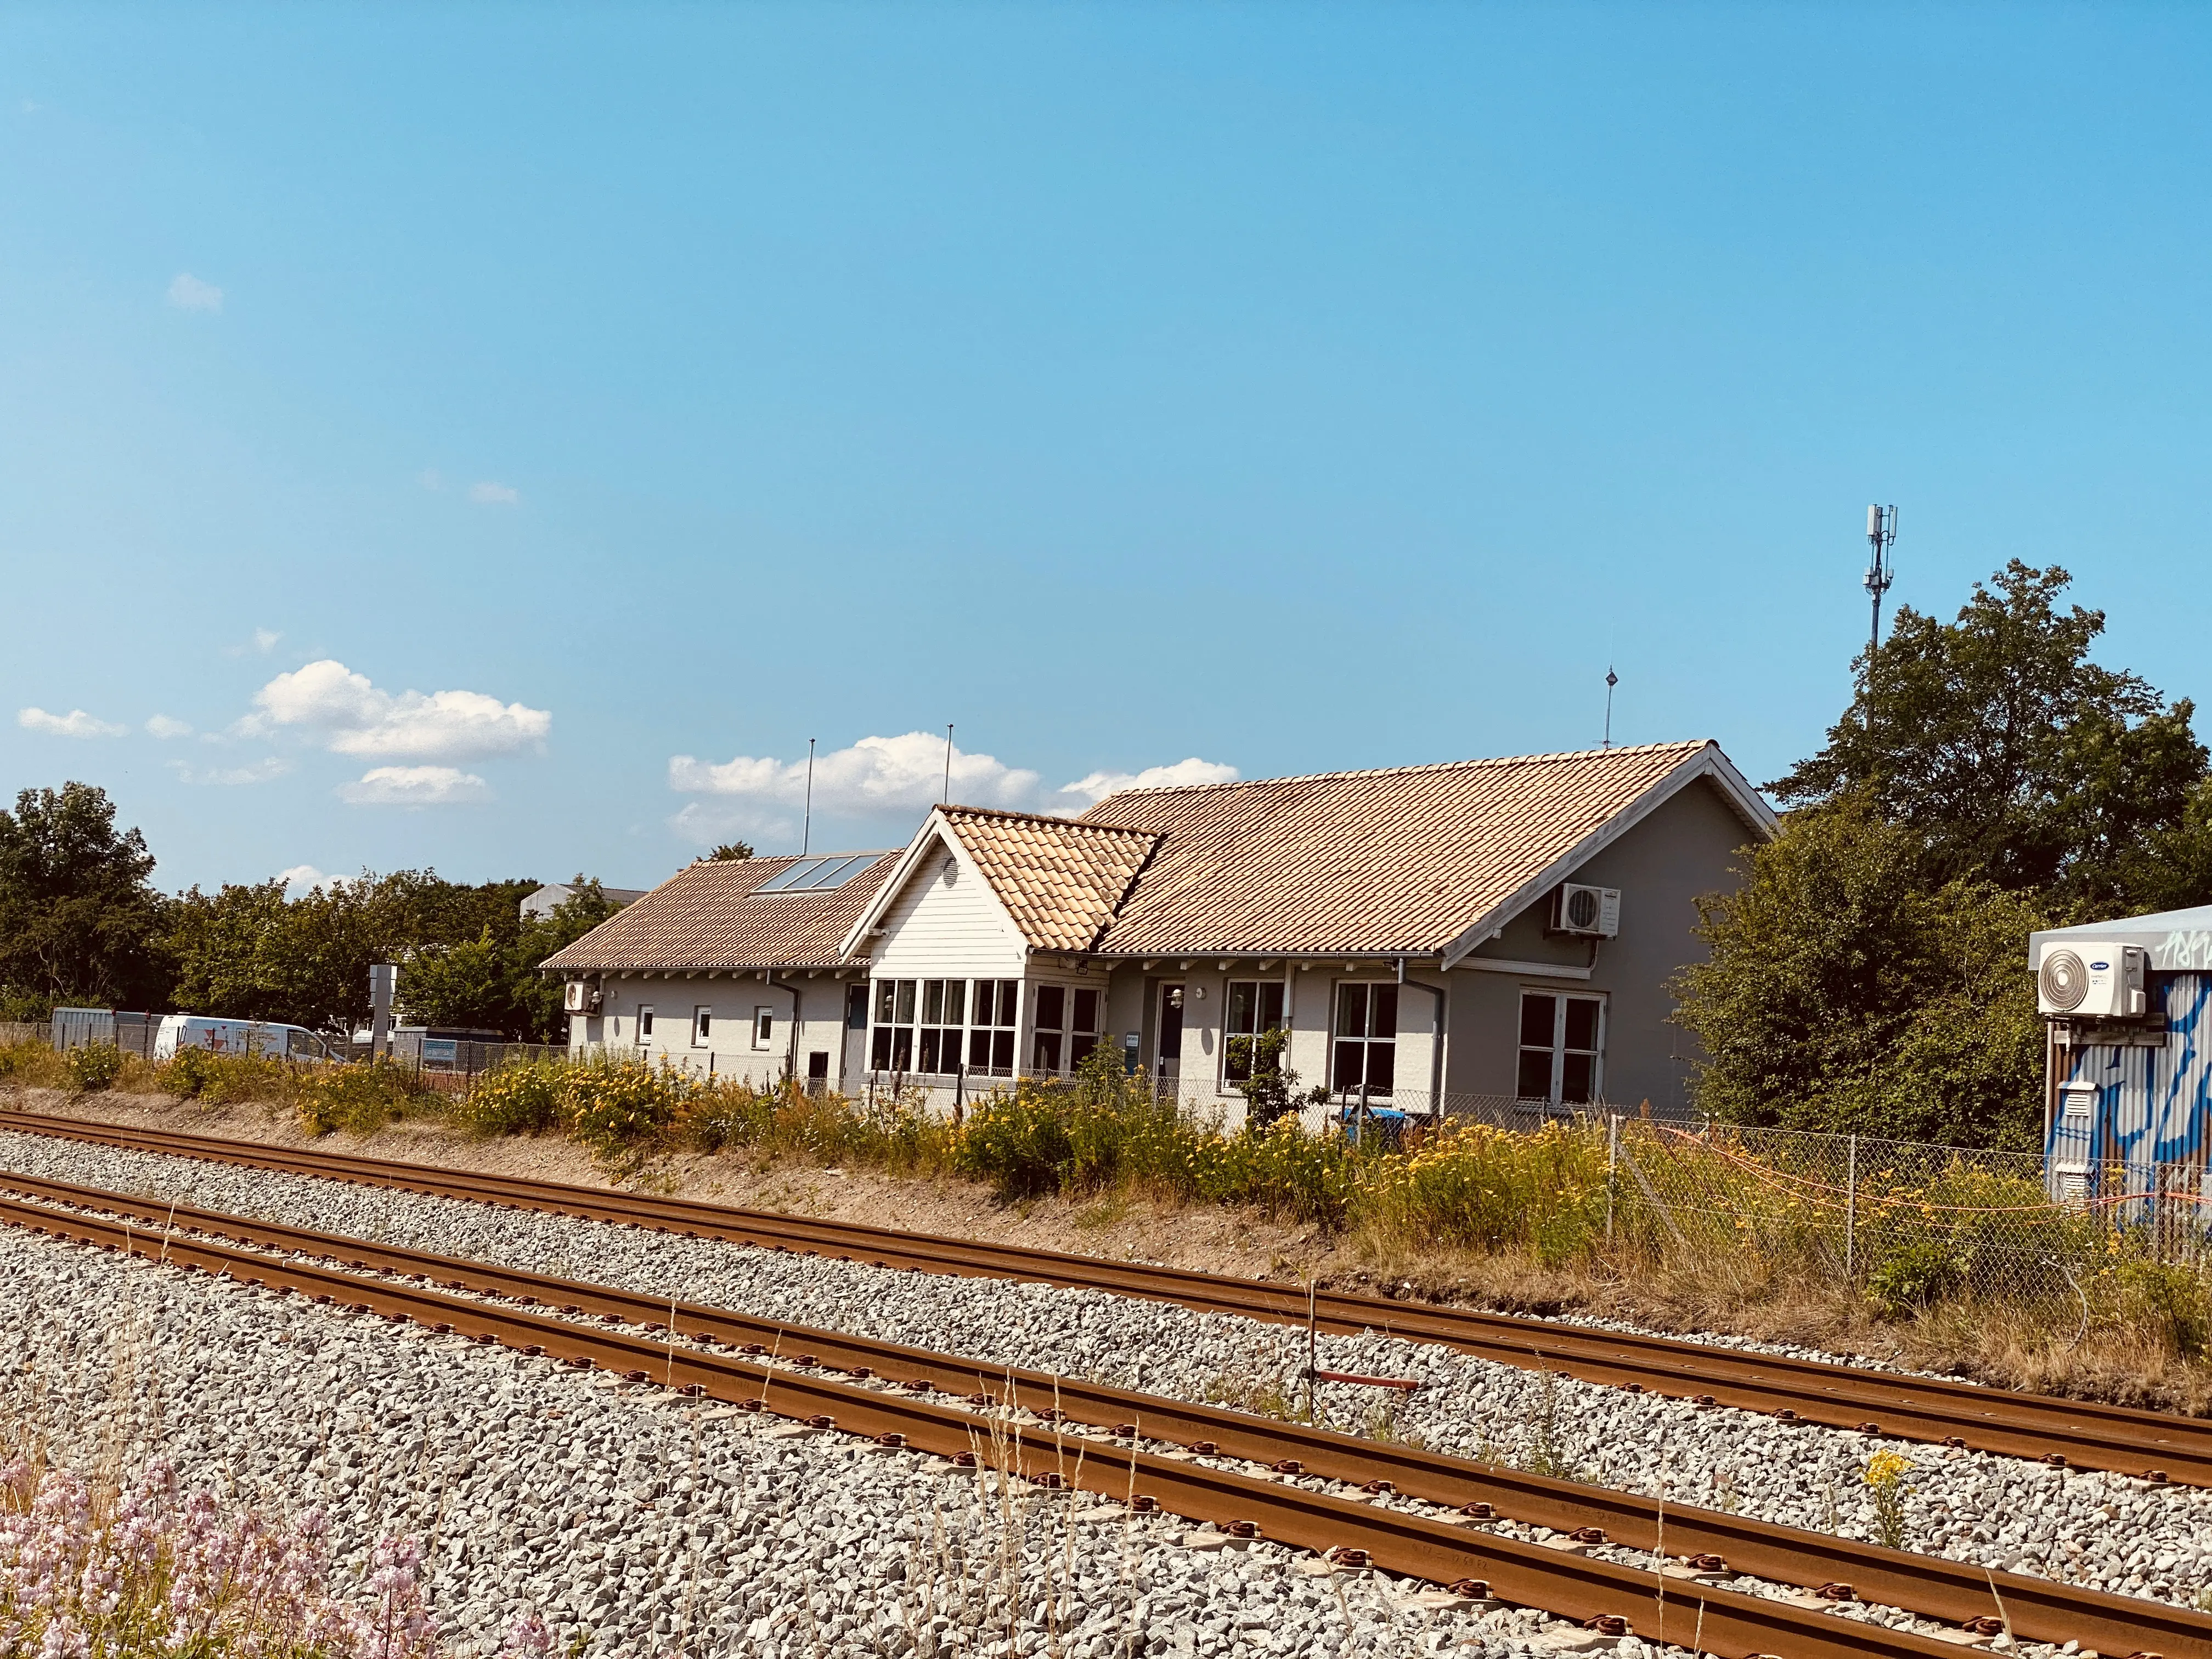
(2153, 1445)
(775, 1355)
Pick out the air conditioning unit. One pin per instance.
(580, 997)
(1593, 912)
(2092, 980)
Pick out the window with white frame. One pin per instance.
(1066, 1029)
(997, 1007)
(763, 1027)
(1562, 1048)
(1254, 1008)
(943, 1016)
(703, 1027)
(1364, 1050)
(645, 1022)
(926, 1026)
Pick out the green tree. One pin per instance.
(471, 985)
(2020, 760)
(537, 999)
(78, 919)
(247, 951)
(732, 852)
(1849, 988)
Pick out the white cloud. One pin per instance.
(415, 786)
(75, 724)
(302, 878)
(487, 494)
(162, 726)
(231, 777)
(1183, 774)
(188, 292)
(356, 718)
(263, 642)
(877, 776)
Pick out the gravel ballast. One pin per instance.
(2107, 1531)
(635, 1522)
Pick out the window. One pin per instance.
(1083, 1030)
(703, 1027)
(1051, 1005)
(943, 1005)
(645, 1022)
(1366, 1054)
(856, 1006)
(990, 1026)
(925, 1026)
(1562, 1044)
(763, 1028)
(1255, 1006)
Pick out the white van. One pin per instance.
(236, 1036)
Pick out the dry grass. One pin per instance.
(2036, 1348)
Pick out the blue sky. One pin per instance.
(498, 438)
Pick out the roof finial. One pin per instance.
(945, 798)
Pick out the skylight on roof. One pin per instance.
(817, 875)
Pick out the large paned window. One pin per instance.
(1562, 1048)
(1366, 1054)
(925, 1026)
(1255, 1006)
(1066, 1029)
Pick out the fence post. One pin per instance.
(1611, 1170)
(1851, 1208)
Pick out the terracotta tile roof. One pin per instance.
(1404, 860)
(1059, 877)
(710, 916)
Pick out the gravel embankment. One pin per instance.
(2108, 1531)
(628, 1518)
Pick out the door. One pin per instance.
(1167, 1063)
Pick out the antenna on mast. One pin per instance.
(806, 835)
(1881, 536)
(1612, 679)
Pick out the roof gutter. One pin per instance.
(1436, 1042)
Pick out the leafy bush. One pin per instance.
(2169, 1302)
(218, 1079)
(525, 1099)
(619, 1107)
(93, 1066)
(1915, 1276)
(359, 1098)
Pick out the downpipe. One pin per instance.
(1435, 1041)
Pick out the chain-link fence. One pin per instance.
(1911, 1221)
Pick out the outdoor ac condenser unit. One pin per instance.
(1593, 911)
(580, 997)
(2094, 981)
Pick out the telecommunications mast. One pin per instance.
(1881, 536)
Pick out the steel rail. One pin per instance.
(1701, 1616)
(2085, 1434)
(2039, 1609)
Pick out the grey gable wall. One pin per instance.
(1688, 847)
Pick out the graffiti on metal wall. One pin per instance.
(2151, 1105)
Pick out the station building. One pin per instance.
(1489, 935)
